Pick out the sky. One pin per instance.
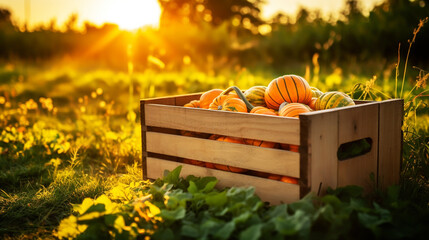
(131, 14)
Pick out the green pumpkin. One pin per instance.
(316, 92)
(256, 95)
(333, 99)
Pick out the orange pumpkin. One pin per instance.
(225, 167)
(290, 147)
(219, 100)
(263, 110)
(312, 103)
(193, 104)
(274, 177)
(289, 180)
(194, 134)
(287, 88)
(207, 98)
(234, 105)
(293, 110)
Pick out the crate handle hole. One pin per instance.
(353, 149)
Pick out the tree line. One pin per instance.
(211, 35)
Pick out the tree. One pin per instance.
(214, 11)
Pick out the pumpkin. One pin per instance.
(193, 104)
(287, 88)
(316, 92)
(234, 105)
(207, 98)
(225, 167)
(274, 177)
(312, 103)
(293, 110)
(282, 105)
(256, 95)
(289, 180)
(194, 134)
(333, 99)
(263, 110)
(260, 143)
(290, 147)
(218, 102)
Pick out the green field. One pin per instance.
(70, 147)
(71, 135)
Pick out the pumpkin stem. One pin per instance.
(241, 95)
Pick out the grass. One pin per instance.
(77, 135)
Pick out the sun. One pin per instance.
(131, 14)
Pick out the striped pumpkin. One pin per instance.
(288, 88)
(256, 95)
(193, 104)
(282, 105)
(207, 98)
(263, 110)
(293, 110)
(219, 100)
(333, 100)
(316, 92)
(260, 143)
(231, 92)
(234, 105)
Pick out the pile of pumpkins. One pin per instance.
(285, 96)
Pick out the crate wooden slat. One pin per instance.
(390, 138)
(353, 124)
(242, 125)
(273, 191)
(319, 135)
(276, 161)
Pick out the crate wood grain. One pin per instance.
(318, 134)
(272, 191)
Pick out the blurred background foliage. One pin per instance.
(214, 35)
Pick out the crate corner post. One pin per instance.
(143, 138)
(390, 142)
(319, 144)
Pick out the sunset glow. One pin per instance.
(129, 14)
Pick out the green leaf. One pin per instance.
(173, 177)
(96, 208)
(251, 233)
(109, 219)
(242, 217)
(299, 223)
(225, 231)
(216, 199)
(164, 234)
(176, 214)
(192, 187)
(277, 211)
(119, 224)
(332, 200)
(191, 231)
(209, 185)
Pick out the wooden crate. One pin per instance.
(318, 134)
